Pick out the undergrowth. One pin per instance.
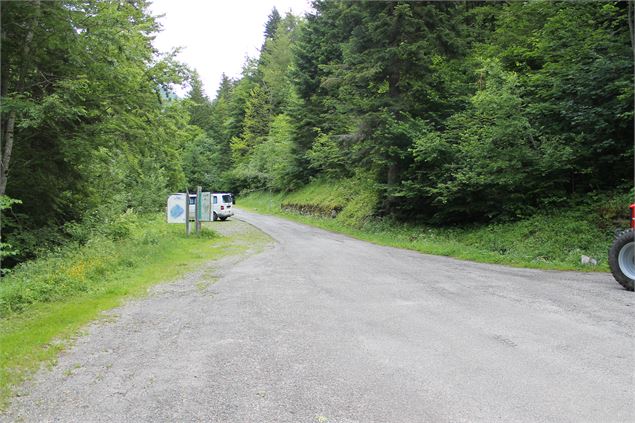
(548, 240)
(79, 268)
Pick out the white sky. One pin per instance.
(217, 35)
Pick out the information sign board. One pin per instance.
(176, 208)
(205, 208)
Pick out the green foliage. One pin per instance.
(95, 129)
(546, 240)
(200, 108)
(6, 249)
(123, 243)
(489, 160)
(275, 61)
(326, 157)
(272, 24)
(354, 200)
(255, 124)
(6, 202)
(200, 163)
(252, 130)
(575, 63)
(273, 158)
(477, 111)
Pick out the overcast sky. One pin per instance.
(217, 35)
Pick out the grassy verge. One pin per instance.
(549, 241)
(44, 303)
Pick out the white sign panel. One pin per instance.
(176, 208)
(206, 207)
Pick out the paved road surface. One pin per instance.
(323, 328)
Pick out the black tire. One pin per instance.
(624, 241)
(224, 218)
(214, 217)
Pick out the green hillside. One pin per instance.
(547, 240)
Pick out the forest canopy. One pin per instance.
(455, 110)
(89, 130)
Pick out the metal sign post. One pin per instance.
(187, 213)
(198, 209)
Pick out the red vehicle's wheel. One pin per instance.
(622, 258)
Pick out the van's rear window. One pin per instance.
(227, 198)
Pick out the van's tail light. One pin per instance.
(222, 207)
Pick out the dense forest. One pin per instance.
(89, 130)
(455, 110)
(451, 111)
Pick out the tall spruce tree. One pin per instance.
(200, 106)
(484, 109)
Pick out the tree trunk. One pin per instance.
(4, 80)
(631, 16)
(393, 174)
(631, 23)
(6, 154)
(8, 136)
(4, 68)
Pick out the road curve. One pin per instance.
(321, 327)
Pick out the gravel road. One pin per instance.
(320, 327)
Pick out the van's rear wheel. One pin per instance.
(214, 217)
(224, 218)
(622, 259)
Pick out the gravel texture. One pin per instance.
(322, 328)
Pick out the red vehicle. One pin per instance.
(622, 255)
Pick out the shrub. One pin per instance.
(82, 267)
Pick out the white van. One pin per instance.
(222, 205)
(192, 205)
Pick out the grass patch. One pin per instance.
(352, 200)
(44, 303)
(547, 241)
